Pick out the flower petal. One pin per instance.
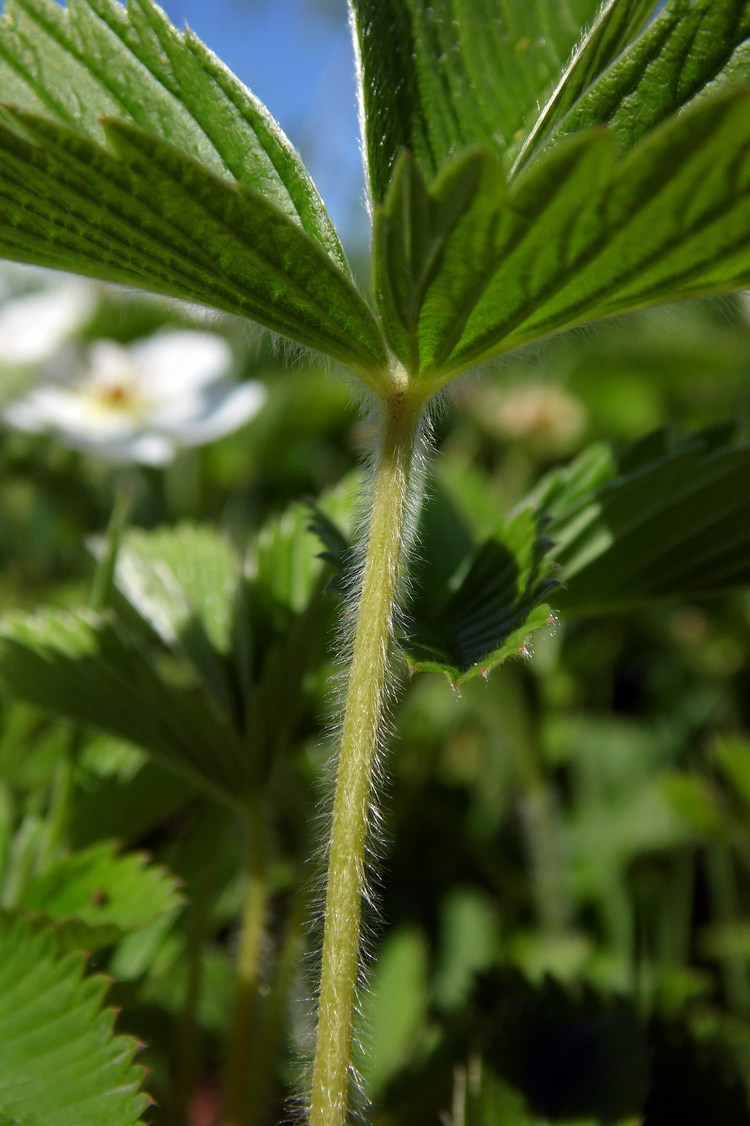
(136, 449)
(33, 327)
(224, 409)
(173, 363)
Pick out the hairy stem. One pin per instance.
(361, 730)
(237, 1110)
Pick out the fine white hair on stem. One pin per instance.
(410, 501)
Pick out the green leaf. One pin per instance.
(670, 521)
(98, 896)
(438, 77)
(576, 237)
(217, 656)
(413, 237)
(85, 666)
(183, 583)
(732, 755)
(97, 59)
(145, 214)
(615, 27)
(128, 808)
(691, 47)
(60, 1064)
(490, 605)
(471, 607)
(395, 1009)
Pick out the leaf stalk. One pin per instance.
(366, 696)
(237, 1108)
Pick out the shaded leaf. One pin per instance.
(395, 1009)
(672, 520)
(471, 607)
(60, 1064)
(497, 598)
(143, 213)
(85, 667)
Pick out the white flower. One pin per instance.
(34, 326)
(141, 402)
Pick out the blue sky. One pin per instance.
(296, 55)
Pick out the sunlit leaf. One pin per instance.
(578, 236)
(691, 46)
(60, 1064)
(437, 77)
(183, 583)
(96, 59)
(142, 212)
(615, 27)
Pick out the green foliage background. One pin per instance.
(580, 814)
(565, 849)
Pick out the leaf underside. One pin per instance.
(491, 605)
(578, 236)
(670, 521)
(691, 48)
(98, 59)
(142, 213)
(438, 77)
(131, 154)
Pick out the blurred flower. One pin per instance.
(542, 414)
(141, 402)
(34, 326)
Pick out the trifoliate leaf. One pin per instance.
(438, 77)
(60, 1064)
(99, 895)
(143, 213)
